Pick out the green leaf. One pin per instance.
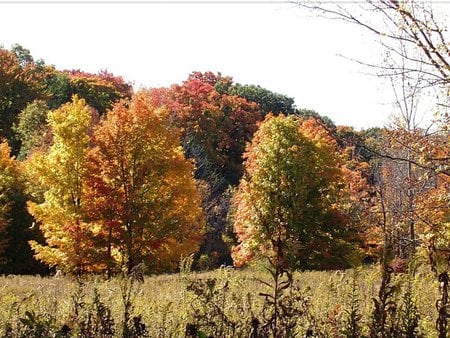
(201, 334)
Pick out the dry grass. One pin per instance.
(167, 306)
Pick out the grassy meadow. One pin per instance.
(223, 302)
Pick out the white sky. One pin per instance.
(155, 44)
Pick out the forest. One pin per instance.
(97, 178)
(228, 195)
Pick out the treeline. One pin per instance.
(97, 178)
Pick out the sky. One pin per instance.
(275, 45)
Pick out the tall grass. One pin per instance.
(221, 303)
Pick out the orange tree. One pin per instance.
(214, 123)
(143, 197)
(294, 202)
(215, 127)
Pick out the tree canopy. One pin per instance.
(143, 195)
(291, 201)
(61, 173)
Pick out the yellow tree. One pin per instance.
(60, 173)
(142, 191)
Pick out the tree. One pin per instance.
(219, 123)
(57, 89)
(308, 114)
(20, 83)
(61, 174)
(413, 158)
(408, 30)
(215, 129)
(433, 219)
(16, 256)
(292, 202)
(23, 55)
(268, 102)
(8, 177)
(100, 90)
(416, 62)
(31, 128)
(142, 193)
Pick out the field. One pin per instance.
(223, 303)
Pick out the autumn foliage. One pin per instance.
(143, 198)
(116, 195)
(115, 178)
(294, 200)
(215, 127)
(217, 124)
(100, 90)
(61, 172)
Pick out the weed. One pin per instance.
(133, 326)
(442, 306)
(226, 303)
(408, 314)
(385, 306)
(209, 308)
(99, 322)
(352, 322)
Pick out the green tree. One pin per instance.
(32, 127)
(293, 201)
(22, 54)
(20, 83)
(100, 90)
(58, 89)
(268, 101)
(308, 113)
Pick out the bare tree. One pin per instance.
(408, 30)
(416, 62)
